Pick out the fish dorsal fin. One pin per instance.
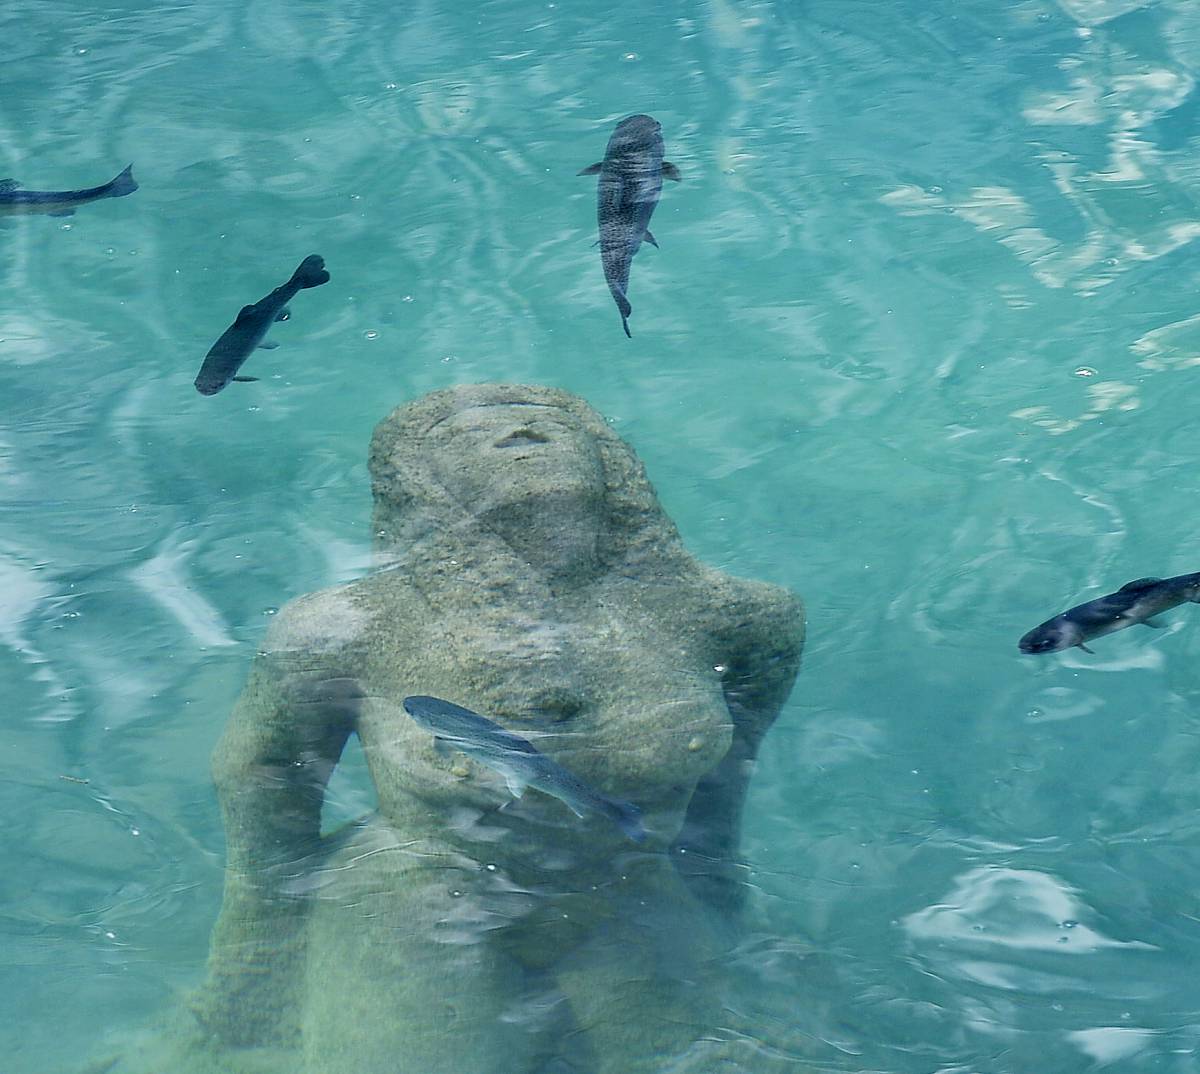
(7, 185)
(243, 313)
(1138, 583)
(591, 169)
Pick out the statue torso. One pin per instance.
(620, 684)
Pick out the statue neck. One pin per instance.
(555, 536)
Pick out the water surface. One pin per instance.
(920, 343)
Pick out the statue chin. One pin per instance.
(533, 578)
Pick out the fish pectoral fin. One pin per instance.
(283, 314)
(1086, 649)
(591, 169)
(648, 237)
(573, 808)
(244, 380)
(1155, 623)
(671, 172)
(516, 785)
(267, 345)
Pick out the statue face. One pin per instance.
(489, 455)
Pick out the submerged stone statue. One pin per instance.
(527, 572)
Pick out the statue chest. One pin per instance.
(616, 699)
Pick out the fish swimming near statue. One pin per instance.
(238, 341)
(1135, 602)
(17, 202)
(627, 191)
(518, 761)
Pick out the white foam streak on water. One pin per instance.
(1015, 909)
(21, 593)
(1111, 1044)
(164, 578)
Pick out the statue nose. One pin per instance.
(522, 438)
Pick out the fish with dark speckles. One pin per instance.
(518, 761)
(627, 191)
(15, 201)
(1135, 602)
(238, 341)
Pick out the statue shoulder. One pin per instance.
(755, 610)
(339, 623)
(327, 621)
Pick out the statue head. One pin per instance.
(531, 467)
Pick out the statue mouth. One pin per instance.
(522, 438)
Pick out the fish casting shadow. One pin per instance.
(627, 191)
(1135, 602)
(17, 202)
(521, 765)
(246, 333)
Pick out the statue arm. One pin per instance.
(284, 737)
(283, 740)
(763, 660)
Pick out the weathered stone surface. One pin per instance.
(527, 572)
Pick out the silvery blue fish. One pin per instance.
(17, 202)
(1135, 602)
(248, 331)
(630, 183)
(517, 761)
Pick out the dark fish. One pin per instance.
(631, 176)
(518, 762)
(1135, 602)
(248, 331)
(14, 201)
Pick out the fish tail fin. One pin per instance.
(123, 184)
(311, 272)
(625, 308)
(629, 819)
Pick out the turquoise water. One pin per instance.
(919, 344)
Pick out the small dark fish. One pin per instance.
(14, 201)
(1135, 602)
(248, 331)
(630, 183)
(517, 761)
